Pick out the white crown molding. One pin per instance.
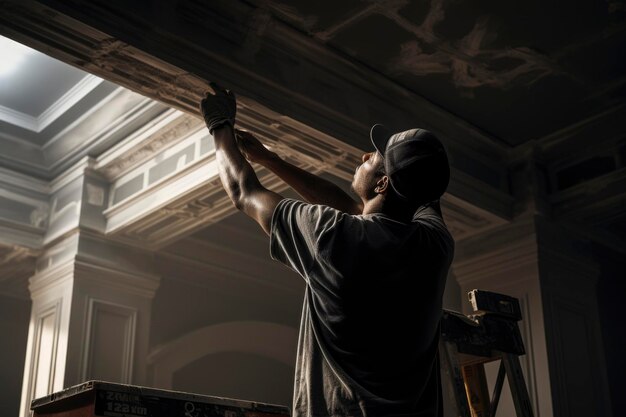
(23, 181)
(86, 85)
(56, 109)
(84, 116)
(18, 118)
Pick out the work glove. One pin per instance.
(218, 109)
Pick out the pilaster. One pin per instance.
(91, 305)
(569, 279)
(549, 270)
(505, 260)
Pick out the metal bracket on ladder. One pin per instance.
(468, 342)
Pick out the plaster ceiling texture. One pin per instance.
(519, 70)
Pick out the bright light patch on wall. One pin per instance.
(12, 56)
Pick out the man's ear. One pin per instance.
(382, 185)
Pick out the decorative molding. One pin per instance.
(164, 211)
(18, 118)
(124, 111)
(95, 308)
(33, 371)
(162, 132)
(67, 100)
(38, 218)
(105, 102)
(189, 180)
(137, 69)
(23, 182)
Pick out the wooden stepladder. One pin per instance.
(468, 342)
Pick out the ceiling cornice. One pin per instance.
(59, 107)
(70, 98)
(18, 118)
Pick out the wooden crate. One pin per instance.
(97, 398)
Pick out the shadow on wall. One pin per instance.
(14, 318)
(238, 375)
(246, 360)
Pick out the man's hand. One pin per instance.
(252, 148)
(218, 109)
(313, 189)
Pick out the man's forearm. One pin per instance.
(235, 171)
(312, 188)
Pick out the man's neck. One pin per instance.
(398, 212)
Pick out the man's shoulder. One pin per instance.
(311, 218)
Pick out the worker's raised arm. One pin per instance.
(236, 173)
(312, 188)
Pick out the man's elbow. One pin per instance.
(235, 193)
(239, 204)
(241, 200)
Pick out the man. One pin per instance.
(375, 268)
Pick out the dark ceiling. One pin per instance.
(517, 69)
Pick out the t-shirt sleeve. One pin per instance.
(296, 231)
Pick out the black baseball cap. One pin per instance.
(415, 162)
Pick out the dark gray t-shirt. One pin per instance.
(370, 320)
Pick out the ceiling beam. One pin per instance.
(169, 52)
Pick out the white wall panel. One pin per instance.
(110, 342)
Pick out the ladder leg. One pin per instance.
(521, 400)
(452, 370)
(476, 389)
(497, 390)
